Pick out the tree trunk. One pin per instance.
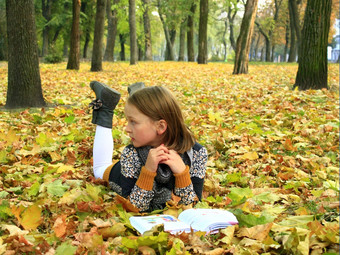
(46, 12)
(225, 41)
(203, 33)
(86, 44)
(231, 18)
(3, 44)
(169, 52)
(24, 83)
(97, 51)
(190, 34)
(122, 40)
(74, 56)
(111, 31)
(292, 48)
(286, 44)
(312, 70)
(244, 39)
(182, 41)
(147, 31)
(257, 46)
(296, 19)
(133, 36)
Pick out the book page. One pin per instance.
(145, 223)
(208, 219)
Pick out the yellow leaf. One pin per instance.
(250, 155)
(259, 232)
(31, 217)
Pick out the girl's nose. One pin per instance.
(127, 129)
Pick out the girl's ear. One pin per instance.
(161, 127)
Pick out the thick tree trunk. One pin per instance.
(190, 34)
(312, 71)
(203, 33)
(244, 39)
(147, 31)
(24, 83)
(111, 31)
(182, 41)
(46, 12)
(97, 51)
(133, 36)
(74, 56)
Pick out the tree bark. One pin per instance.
(169, 52)
(190, 34)
(133, 36)
(231, 18)
(224, 40)
(182, 41)
(97, 51)
(286, 43)
(122, 40)
(24, 83)
(74, 56)
(203, 33)
(112, 21)
(244, 39)
(147, 31)
(312, 70)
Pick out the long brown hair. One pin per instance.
(159, 104)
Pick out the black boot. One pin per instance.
(135, 86)
(105, 103)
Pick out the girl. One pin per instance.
(163, 156)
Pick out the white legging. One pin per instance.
(102, 150)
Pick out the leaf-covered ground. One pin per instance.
(273, 162)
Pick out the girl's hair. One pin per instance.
(159, 104)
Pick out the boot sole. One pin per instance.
(115, 92)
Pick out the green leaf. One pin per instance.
(56, 188)
(239, 195)
(69, 119)
(250, 220)
(5, 210)
(34, 189)
(66, 249)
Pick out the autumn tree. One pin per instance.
(190, 33)
(112, 20)
(133, 36)
(244, 39)
(147, 30)
(74, 55)
(203, 33)
(312, 70)
(295, 29)
(97, 52)
(24, 83)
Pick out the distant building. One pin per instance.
(334, 53)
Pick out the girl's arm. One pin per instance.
(136, 181)
(189, 184)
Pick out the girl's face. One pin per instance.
(141, 129)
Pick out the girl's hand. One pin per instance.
(175, 162)
(156, 156)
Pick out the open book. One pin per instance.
(207, 220)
